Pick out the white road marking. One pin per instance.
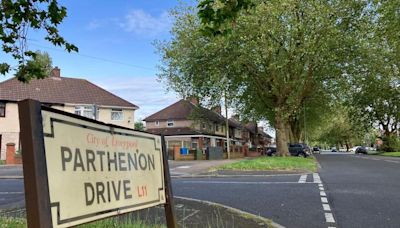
(322, 193)
(183, 167)
(329, 218)
(302, 179)
(316, 178)
(320, 185)
(324, 199)
(326, 207)
(321, 189)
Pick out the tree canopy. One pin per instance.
(276, 55)
(17, 18)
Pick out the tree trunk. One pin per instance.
(281, 136)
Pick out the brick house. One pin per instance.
(72, 95)
(187, 125)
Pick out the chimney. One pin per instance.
(55, 72)
(236, 117)
(194, 100)
(217, 109)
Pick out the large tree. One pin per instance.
(375, 87)
(275, 56)
(17, 18)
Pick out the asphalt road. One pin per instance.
(280, 198)
(362, 191)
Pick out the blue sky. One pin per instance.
(115, 41)
(115, 48)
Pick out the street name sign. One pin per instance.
(77, 170)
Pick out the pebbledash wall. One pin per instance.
(9, 125)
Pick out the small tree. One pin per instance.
(139, 126)
(17, 17)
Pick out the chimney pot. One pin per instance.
(55, 72)
(193, 100)
(217, 109)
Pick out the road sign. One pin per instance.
(78, 170)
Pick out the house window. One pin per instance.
(157, 123)
(216, 127)
(117, 114)
(2, 109)
(170, 123)
(203, 126)
(86, 111)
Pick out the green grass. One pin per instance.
(273, 163)
(107, 223)
(12, 223)
(391, 154)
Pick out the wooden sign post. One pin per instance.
(78, 170)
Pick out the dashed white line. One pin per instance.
(329, 218)
(324, 199)
(316, 178)
(322, 193)
(302, 179)
(326, 207)
(321, 189)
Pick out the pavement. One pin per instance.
(192, 168)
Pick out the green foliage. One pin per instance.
(276, 55)
(16, 18)
(391, 143)
(139, 126)
(338, 129)
(38, 67)
(214, 14)
(375, 86)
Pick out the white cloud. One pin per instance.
(140, 22)
(136, 21)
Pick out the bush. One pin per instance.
(390, 143)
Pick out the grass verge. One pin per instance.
(273, 163)
(106, 223)
(391, 154)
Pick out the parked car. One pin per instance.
(299, 149)
(316, 150)
(333, 149)
(353, 149)
(270, 151)
(296, 149)
(361, 150)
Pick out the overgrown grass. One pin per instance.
(106, 223)
(12, 222)
(273, 163)
(391, 154)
